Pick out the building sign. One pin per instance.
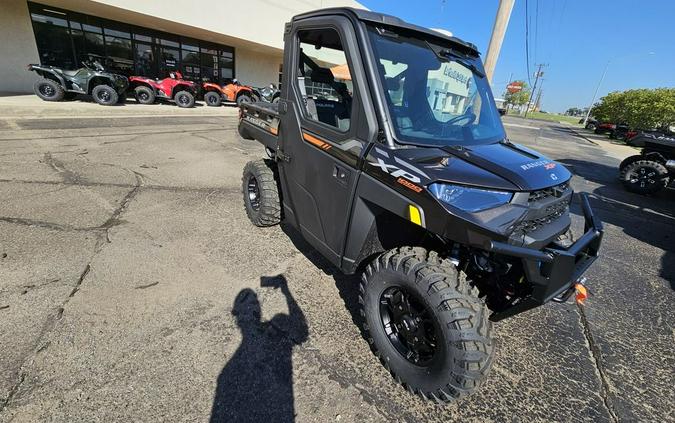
(514, 87)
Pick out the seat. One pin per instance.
(70, 72)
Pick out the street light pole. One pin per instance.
(602, 78)
(498, 31)
(595, 94)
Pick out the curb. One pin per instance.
(580, 135)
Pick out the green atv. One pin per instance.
(56, 84)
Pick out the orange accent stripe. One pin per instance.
(274, 131)
(315, 141)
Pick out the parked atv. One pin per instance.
(232, 93)
(147, 90)
(654, 168)
(450, 225)
(55, 84)
(270, 93)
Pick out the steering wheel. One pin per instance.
(470, 117)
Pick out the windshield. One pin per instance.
(435, 95)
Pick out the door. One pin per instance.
(322, 139)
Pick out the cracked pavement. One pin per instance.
(128, 272)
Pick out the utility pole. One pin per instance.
(498, 31)
(534, 89)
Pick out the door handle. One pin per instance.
(341, 174)
(283, 107)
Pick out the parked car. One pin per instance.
(620, 132)
(603, 127)
(590, 123)
(55, 84)
(232, 93)
(148, 90)
(654, 168)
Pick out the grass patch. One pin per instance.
(550, 117)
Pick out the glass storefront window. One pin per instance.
(145, 60)
(141, 37)
(116, 33)
(66, 38)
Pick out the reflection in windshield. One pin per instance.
(434, 100)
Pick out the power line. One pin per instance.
(536, 29)
(527, 42)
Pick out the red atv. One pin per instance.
(232, 93)
(182, 91)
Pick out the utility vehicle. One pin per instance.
(55, 84)
(233, 93)
(147, 90)
(654, 168)
(400, 170)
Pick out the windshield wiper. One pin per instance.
(450, 55)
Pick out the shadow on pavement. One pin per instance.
(347, 285)
(256, 384)
(649, 219)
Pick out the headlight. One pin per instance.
(469, 199)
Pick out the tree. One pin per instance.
(640, 109)
(518, 98)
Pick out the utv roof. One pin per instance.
(381, 18)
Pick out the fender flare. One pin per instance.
(60, 80)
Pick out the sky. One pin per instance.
(574, 39)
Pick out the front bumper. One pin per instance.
(553, 271)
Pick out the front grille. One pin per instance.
(553, 211)
(555, 191)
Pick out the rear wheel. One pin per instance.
(144, 95)
(212, 98)
(49, 90)
(590, 126)
(426, 324)
(243, 99)
(104, 95)
(644, 176)
(184, 99)
(261, 193)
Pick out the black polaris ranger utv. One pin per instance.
(388, 154)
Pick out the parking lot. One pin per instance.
(130, 276)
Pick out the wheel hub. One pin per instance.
(408, 325)
(253, 193)
(643, 176)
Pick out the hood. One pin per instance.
(501, 165)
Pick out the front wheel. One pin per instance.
(49, 90)
(243, 99)
(212, 98)
(144, 95)
(184, 99)
(104, 95)
(261, 193)
(644, 176)
(426, 324)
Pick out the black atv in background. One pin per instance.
(654, 168)
(56, 84)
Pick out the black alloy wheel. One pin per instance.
(409, 325)
(644, 176)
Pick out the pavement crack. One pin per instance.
(66, 175)
(13, 391)
(114, 219)
(596, 354)
(80, 280)
(45, 225)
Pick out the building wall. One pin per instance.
(257, 69)
(17, 48)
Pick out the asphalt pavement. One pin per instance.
(133, 288)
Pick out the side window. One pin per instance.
(324, 78)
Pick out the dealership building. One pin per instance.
(212, 40)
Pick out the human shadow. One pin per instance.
(256, 384)
(647, 218)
